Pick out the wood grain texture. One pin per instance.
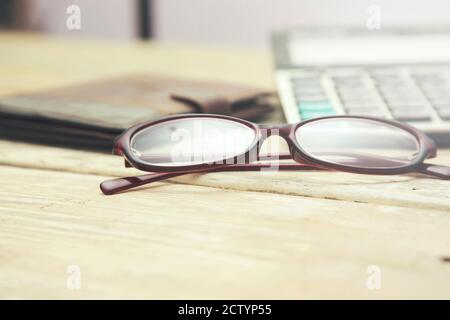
(222, 235)
(401, 190)
(168, 241)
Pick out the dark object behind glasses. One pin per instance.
(91, 115)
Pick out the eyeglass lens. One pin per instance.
(192, 141)
(359, 143)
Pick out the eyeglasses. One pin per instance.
(192, 143)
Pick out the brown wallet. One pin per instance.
(92, 114)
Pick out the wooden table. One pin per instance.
(219, 235)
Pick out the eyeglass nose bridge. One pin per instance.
(283, 132)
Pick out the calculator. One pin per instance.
(399, 75)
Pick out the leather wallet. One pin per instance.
(91, 115)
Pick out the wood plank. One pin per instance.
(169, 241)
(400, 190)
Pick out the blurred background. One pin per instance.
(225, 22)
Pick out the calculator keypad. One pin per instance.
(407, 96)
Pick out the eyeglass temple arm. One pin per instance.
(113, 186)
(439, 171)
(121, 184)
(435, 170)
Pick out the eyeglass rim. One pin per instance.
(122, 145)
(426, 146)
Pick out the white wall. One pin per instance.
(99, 18)
(228, 22)
(249, 22)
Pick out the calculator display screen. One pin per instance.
(367, 49)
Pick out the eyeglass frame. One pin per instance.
(427, 149)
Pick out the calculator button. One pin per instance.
(352, 105)
(443, 110)
(399, 96)
(308, 90)
(442, 105)
(313, 109)
(442, 100)
(429, 78)
(312, 114)
(374, 111)
(355, 102)
(315, 105)
(444, 113)
(398, 92)
(386, 78)
(407, 107)
(411, 115)
(437, 98)
(364, 112)
(395, 101)
(307, 86)
(310, 97)
(347, 79)
(306, 82)
(354, 92)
